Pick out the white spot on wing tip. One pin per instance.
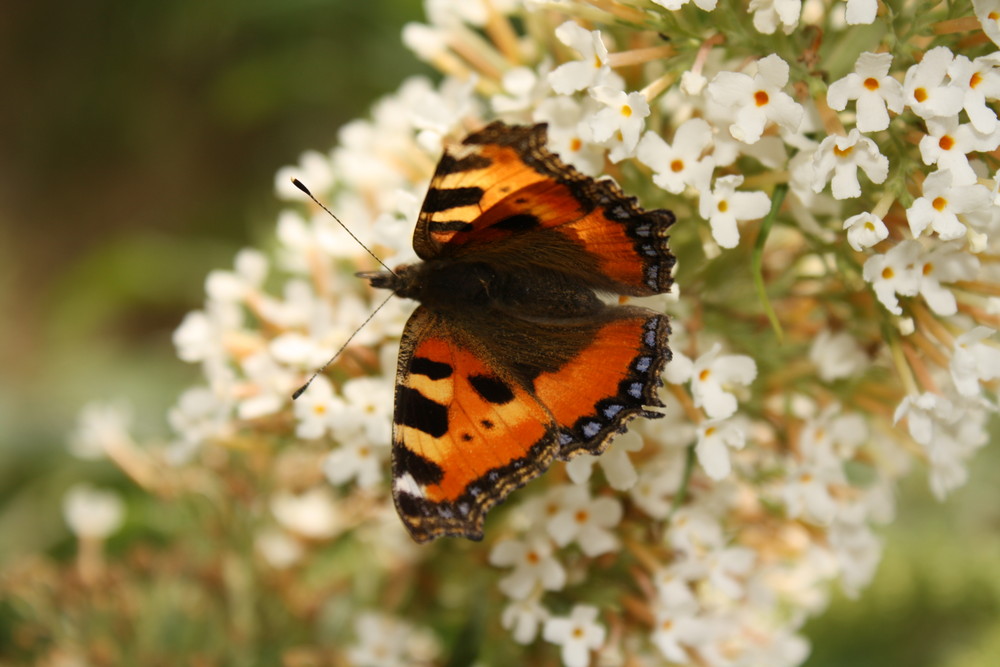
(406, 484)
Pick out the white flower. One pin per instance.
(100, 427)
(680, 164)
(946, 263)
(723, 207)
(311, 514)
(873, 88)
(524, 88)
(973, 361)
(924, 413)
(620, 121)
(672, 5)
(806, 490)
(385, 641)
(755, 101)
(235, 286)
(948, 143)
(658, 482)
(837, 355)
(522, 618)
(675, 627)
(315, 409)
(980, 80)
(586, 520)
(617, 466)
(534, 565)
(715, 438)
(578, 635)
(924, 87)
(314, 169)
(569, 133)
(590, 70)
(842, 156)
(865, 230)
(767, 14)
(714, 375)
(861, 12)
(356, 458)
(278, 548)
(92, 513)
(894, 273)
(988, 13)
(941, 204)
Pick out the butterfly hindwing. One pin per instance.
(464, 436)
(501, 191)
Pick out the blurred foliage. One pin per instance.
(139, 149)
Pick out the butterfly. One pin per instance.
(512, 360)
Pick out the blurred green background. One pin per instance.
(138, 152)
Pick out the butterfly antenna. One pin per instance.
(301, 186)
(301, 390)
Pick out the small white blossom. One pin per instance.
(872, 87)
(586, 520)
(941, 204)
(622, 117)
(925, 90)
(577, 635)
(988, 13)
(617, 466)
(724, 207)
(768, 13)
(100, 427)
(657, 485)
(385, 641)
(278, 548)
(714, 375)
(314, 169)
(894, 273)
(753, 102)
(311, 514)
(569, 133)
(673, 5)
(837, 355)
(715, 438)
(948, 143)
(861, 12)
(523, 618)
(590, 70)
(93, 513)
(974, 361)
(980, 81)
(842, 156)
(356, 458)
(680, 164)
(534, 563)
(865, 230)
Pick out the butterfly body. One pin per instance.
(512, 359)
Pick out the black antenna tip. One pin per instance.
(301, 390)
(297, 183)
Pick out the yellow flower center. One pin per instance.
(871, 83)
(761, 98)
(677, 166)
(939, 203)
(946, 143)
(626, 110)
(920, 94)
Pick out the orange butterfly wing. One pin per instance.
(501, 190)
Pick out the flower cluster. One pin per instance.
(839, 224)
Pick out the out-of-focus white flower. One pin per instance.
(387, 641)
(278, 548)
(356, 458)
(523, 618)
(680, 164)
(586, 520)
(715, 438)
(314, 169)
(942, 202)
(842, 156)
(767, 14)
(577, 635)
(865, 230)
(100, 426)
(311, 514)
(988, 13)
(657, 484)
(617, 466)
(569, 133)
(925, 89)
(673, 5)
(535, 566)
(837, 355)
(724, 207)
(872, 87)
(753, 102)
(590, 70)
(861, 12)
(93, 513)
(973, 361)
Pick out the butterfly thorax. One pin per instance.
(450, 285)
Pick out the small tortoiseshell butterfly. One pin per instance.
(512, 360)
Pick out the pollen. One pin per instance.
(319, 409)
(946, 143)
(626, 110)
(577, 632)
(993, 16)
(761, 98)
(975, 80)
(532, 557)
(888, 273)
(705, 374)
(842, 152)
(597, 62)
(869, 226)
(871, 83)
(581, 516)
(920, 94)
(939, 203)
(710, 431)
(677, 166)
(575, 144)
(928, 269)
